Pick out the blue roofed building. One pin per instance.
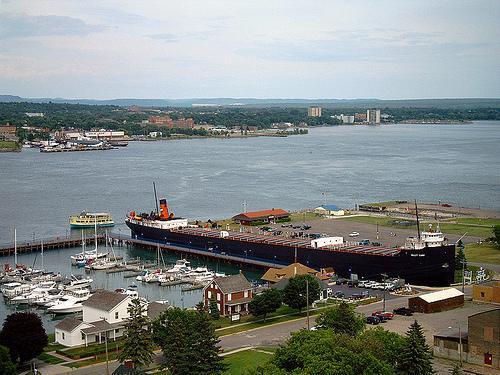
(329, 210)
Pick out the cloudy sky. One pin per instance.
(265, 49)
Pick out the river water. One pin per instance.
(211, 178)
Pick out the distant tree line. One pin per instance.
(57, 116)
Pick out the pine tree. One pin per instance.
(138, 344)
(416, 356)
(6, 365)
(213, 309)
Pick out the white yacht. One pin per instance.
(11, 290)
(71, 302)
(41, 290)
(75, 282)
(50, 296)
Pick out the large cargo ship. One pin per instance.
(424, 260)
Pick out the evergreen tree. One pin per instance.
(188, 341)
(294, 294)
(23, 334)
(460, 258)
(138, 343)
(6, 365)
(342, 319)
(266, 302)
(200, 306)
(416, 356)
(213, 309)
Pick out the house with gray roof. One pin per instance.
(232, 294)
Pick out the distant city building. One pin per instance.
(34, 114)
(373, 116)
(314, 111)
(347, 119)
(166, 121)
(360, 117)
(155, 134)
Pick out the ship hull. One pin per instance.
(429, 266)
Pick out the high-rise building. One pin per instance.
(373, 116)
(314, 111)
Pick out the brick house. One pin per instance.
(232, 294)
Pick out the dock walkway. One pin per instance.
(60, 242)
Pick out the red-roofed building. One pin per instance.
(265, 216)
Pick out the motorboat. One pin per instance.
(36, 293)
(50, 296)
(11, 290)
(75, 282)
(71, 302)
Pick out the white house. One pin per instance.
(103, 316)
(329, 210)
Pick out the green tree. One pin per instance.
(138, 343)
(23, 334)
(416, 356)
(496, 234)
(213, 310)
(188, 341)
(456, 370)
(460, 258)
(266, 302)
(294, 294)
(6, 365)
(200, 306)
(342, 319)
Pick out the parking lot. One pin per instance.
(350, 291)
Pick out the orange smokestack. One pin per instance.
(164, 209)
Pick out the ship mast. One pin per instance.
(418, 223)
(156, 199)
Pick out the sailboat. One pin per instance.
(88, 256)
(105, 263)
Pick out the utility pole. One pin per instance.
(307, 303)
(377, 230)
(106, 348)
(463, 274)
(460, 343)
(384, 275)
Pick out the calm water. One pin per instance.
(211, 178)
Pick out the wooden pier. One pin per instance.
(61, 242)
(152, 245)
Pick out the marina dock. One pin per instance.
(152, 245)
(60, 242)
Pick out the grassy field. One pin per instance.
(246, 360)
(482, 253)
(50, 359)
(468, 225)
(9, 145)
(303, 216)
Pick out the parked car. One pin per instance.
(386, 314)
(364, 242)
(352, 283)
(372, 320)
(381, 317)
(353, 234)
(376, 244)
(403, 311)
(339, 294)
(362, 283)
(306, 227)
(341, 281)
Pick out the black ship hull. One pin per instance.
(431, 266)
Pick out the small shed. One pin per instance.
(329, 210)
(441, 300)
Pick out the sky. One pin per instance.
(387, 49)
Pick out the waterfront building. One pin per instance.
(347, 119)
(373, 116)
(477, 343)
(487, 292)
(275, 275)
(8, 132)
(441, 300)
(232, 294)
(265, 216)
(329, 210)
(314, 111)
(105, 134)
(166, 121)
(360, 117)
(35, 114)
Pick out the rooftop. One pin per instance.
(275, 274)
(68, 324)
(233, 283)
(263, 213)
(441, 295)
(105, 300)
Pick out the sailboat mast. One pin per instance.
(41, 243)
(15, 247)
(95, 232)
(418, 223)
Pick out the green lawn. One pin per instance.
(482, 253)
(245, 360)
(91, 350)
(477, 221)
(8, 145)
(50, 359)
(303, 216)
(446, 227)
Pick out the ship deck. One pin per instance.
(349, 247)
